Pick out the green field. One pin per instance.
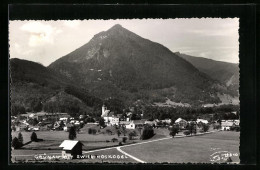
(196, 149)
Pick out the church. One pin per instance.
(109, 117)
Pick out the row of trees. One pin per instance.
(17, 142)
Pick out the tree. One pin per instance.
(72, 133)
(205, 127)
(124, 139)
(89, 119)
(148, 132)
(131, 135)
(173, 131)
(62, 124)
(34, 137)
(33, 121)
(15, 143)
(124, 130)
(101, 122)
(17, 109)
(192, 128)
(20, 137)
(118, 133)
(36, 105)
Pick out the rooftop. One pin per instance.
(69, 144)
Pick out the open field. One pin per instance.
(52, 139)
(196, 149)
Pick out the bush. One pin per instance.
(187, 132)
(120, 144)
(13, 128)
(16, 144)
(92, 131)
(34, 137)
(114, 140)
(205, 127)
(229, 159)
(235, 128)
(118, 133)
(201, 131)
(147, 133)
(218, 126)
(124, 139)
(108, 131)
(131, 135)
(173, 131)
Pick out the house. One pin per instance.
(226, 124)
(71, 148)
(109, 117)
(202, 121)
(67, 127)
(44, 115)
(126, 124)
(152, 123)
(64, 119)
(56, 116)
(168, 121)
(135, 124)
(181, 122)
(237, 122)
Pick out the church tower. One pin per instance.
(104, 108)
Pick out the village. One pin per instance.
(110, 130)
(63, 121)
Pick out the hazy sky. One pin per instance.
(46, 41)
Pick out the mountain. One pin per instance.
(226, 73)
(118, 63)
(35, 88)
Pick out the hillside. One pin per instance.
(118, 63)
(35, 88)
(226, 73)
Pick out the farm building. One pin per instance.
(226, 124)
(168, 121)
(202, 121)
(181, 122)
(71, 148)
(135, 124)
(152, 123)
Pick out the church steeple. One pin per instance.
(104, 108)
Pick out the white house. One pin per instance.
(181, 122)
(226, 124)
(168, 121)
(64, 119)
(150, 122)
(202, 121)
(130, 125)
(134, 124)
(237, 122)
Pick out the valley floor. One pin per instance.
(213, 147)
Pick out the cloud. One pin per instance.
(72, 23)
(40, 34)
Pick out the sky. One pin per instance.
(46, 41)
